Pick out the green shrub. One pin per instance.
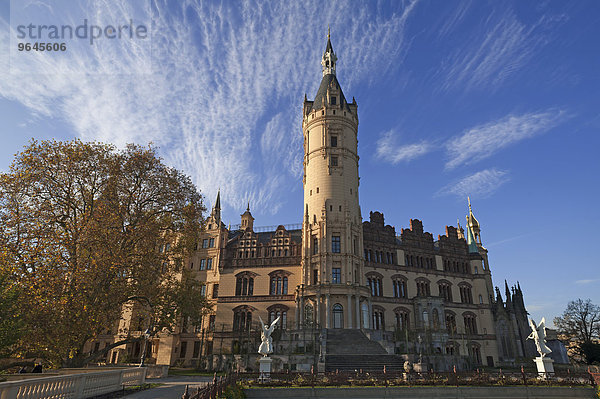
(233, 392)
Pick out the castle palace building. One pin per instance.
(350, 293)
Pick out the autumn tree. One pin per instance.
(82, 224)
(580, 325)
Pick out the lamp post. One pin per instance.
(147, 335)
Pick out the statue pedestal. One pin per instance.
(544, 366)
(264, 369)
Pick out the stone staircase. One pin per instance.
(350, 350)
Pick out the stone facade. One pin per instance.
(411, 293)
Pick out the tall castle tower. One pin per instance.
(332, 263)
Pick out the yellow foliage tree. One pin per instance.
(82, 224)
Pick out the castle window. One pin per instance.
(274, 314)
(451, 323)
(244, 285)
(335, 244)
(423, 288)
(480, 300)
(336, 275)
(322, 113)
(202, 264)
(205, 243)
(470, 323)
(375, 284)
(334, 161)
(378, 319)
(466, 295)
(315, 276)
(211, 243)
(317, 190)
(401, 319)
(315, 241)
(279, 285)
(333, 101)
(310, 192)
(192, 265)
(399, 288)
(209, 263)
(242, 319)
(215, 291)
(334, 141)
(445, 290)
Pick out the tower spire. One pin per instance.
(329, 57)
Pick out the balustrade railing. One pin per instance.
(73, 386)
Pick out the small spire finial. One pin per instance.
(469, 201)
(328, 31)
(248, 208)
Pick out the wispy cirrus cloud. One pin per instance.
(483, 141)
(390, 151)
(502, 46)
(481, 184)
(222, 99)
(587, 281)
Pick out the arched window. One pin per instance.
(338, 316)
(470, 323)
(244, 284)
(423, 289)
(399, 284)
(279, 282)
(378, 318)
(474, 352)
(401, 318)
(242, 318)
(466, 295)
(276, 311)
(445, 290)
(365, 315)
(375, 283)
(451, 322)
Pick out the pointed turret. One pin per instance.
(473, 224)
(507, 293)
(216, 211)
(460, 232)
(218, 201)
(247, 219)
(329, 57)
(471, 241)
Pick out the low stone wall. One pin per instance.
(424, 392)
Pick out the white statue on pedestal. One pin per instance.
(266, 346)
(538, 334)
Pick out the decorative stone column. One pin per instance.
(318, 310)
(349, 311)
(327, 311)
(357, 298)
(297, 312)
(301, 312)
(370, 308)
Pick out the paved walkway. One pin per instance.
(172, 388)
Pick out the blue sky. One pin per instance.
(496, 100)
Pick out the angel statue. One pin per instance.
(266, 346)
(538, 334)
